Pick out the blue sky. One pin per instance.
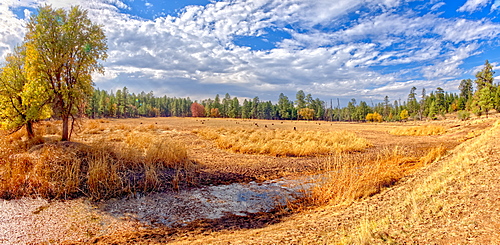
(362, 49)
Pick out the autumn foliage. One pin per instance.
(197, 110)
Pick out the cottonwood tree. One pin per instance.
(306, 113)
(22, 101)
(63, 51)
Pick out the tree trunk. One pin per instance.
(65, 131)
(29, 130)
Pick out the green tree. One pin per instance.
(284, 107)
(300, 100)
(440, 103)
(466, 89)
(226, 105)
(246, 109)
(234, 109)
(496, 99)
(63, 51)
(22, 101)
(412, 104)
(484, 97)
(485, 76)
(254, 113)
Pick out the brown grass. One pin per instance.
(100, 169)
(280, 142)
(419, 130)
(350, 177)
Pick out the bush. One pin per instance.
(463, 115)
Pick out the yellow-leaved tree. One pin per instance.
(22, 100)
(63, 51)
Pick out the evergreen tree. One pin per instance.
(300, 101)
(412, 103)
(284, 107)
(484, 97)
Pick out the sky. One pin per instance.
(361, 49)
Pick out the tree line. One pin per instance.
(419, 105)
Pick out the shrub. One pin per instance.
(463, 115)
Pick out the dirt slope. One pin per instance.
(453, 201)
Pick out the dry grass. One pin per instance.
(419, 130)
(280, 142)
(455, 170)
(351, 177)
(99, 169)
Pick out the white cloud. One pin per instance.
(449, 68)
(467, 30)
(437, 6)
(473, 5)
(495, 5)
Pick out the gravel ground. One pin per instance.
(28, 221)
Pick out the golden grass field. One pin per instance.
(121, 157)
(151, 154)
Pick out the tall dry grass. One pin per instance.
(350, 177)
(100, 169)
(284, 142)
(419, 130)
